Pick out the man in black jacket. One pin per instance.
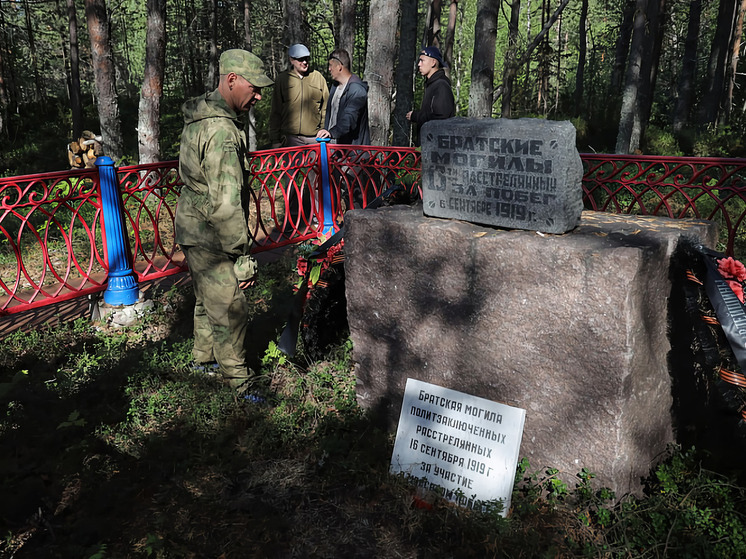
(437, 101)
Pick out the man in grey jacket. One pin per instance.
(347, 121)
(347, 109)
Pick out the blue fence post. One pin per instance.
(122, 288)
(329, 226)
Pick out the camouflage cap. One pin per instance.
(245, 64)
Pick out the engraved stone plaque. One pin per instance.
(518, 174)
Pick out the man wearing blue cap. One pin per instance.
(437, 101)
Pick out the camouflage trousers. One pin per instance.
(220, 314)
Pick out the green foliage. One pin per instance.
(273, 356)
(73, 420)
(686, 512)
(724, 141)
(660, 142)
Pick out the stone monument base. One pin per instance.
(572, 328)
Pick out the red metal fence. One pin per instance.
(677, 187)
(288, 194)
(53, 248)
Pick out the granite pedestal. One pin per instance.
(570, 327)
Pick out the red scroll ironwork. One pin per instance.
(677, 187)
(51, 233)
(149, 196)
(51, 225)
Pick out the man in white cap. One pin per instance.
(298, 102)
(298, 111)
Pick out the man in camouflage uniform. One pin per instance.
(211, 217)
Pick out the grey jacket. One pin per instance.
(352, 118)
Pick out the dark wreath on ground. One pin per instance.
(320, 313)
(707, 330)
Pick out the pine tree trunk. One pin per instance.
(105, 77)
(510, 64)
(629, 119)
(76, 104)
(148, 127)
(295, 30)
(652, 49)
(450, 32)
(432, 33)
(247, 24)
(379, 64)
(3, 98)
(38, 89)
(405, 72)
(622, 47)
(712, 100)
(346, 38)
(251, 125)
(213, 57)
(735, 54)
(582, 53)
(685, 88)
(483, 60)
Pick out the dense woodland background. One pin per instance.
(634, 76)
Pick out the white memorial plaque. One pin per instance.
(462, 446)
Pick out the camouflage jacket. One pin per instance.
(211, 212)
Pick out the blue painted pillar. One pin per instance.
(122, 288)
(329, 226)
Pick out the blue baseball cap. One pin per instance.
(434, 52)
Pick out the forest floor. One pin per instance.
(111, 446)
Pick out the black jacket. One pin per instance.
(437, 101)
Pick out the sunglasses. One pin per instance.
(304, 59)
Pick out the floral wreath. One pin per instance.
(734, 273)
(310, 269)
